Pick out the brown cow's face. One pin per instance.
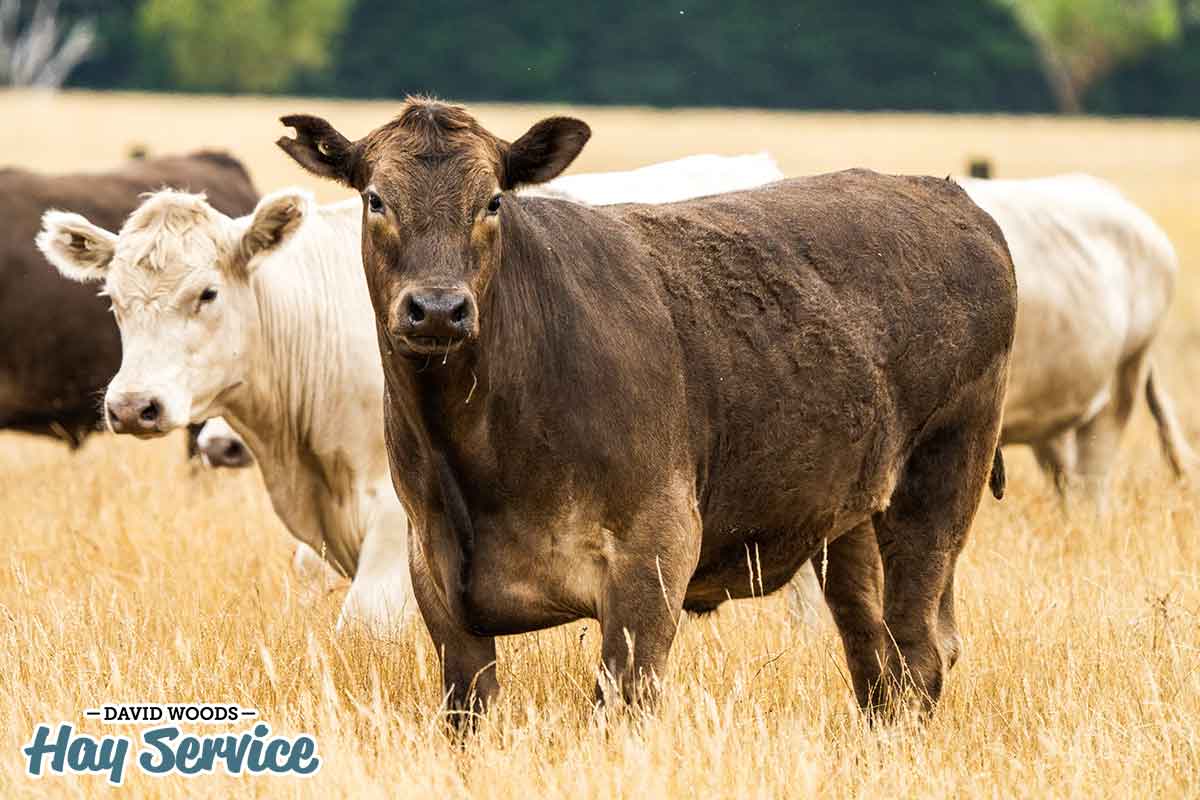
(431, 244)
(433, 186)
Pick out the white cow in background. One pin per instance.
(1095, 276)
(266, 321)
(219, 446)
(668, 182)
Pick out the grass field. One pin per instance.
(126, 575)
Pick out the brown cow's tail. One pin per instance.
(1174, 446)
(996, 481)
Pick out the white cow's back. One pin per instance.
(668, 182)
(1094, 279)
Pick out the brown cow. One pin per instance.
(59, 345)
(626, 412)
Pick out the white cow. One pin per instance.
(266, 320)
(219, 446)
(1095, 277)
(669, 182)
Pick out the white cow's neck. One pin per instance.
(304, 358)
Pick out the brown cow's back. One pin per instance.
(60, 345)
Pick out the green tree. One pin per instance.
(869, 54)
(1080, 42)
(947, 55)
(241, 45)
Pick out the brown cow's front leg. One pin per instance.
(643, 599)
(468, 662)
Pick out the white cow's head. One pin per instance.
(179, 278)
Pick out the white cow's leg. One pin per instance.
(1175, 447)
(1098, 444)
(309, 567)
(1057, 457)
(1099, 440)
(805, 598)
(314, 576)
(380, 599)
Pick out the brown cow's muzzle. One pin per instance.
(139, 413)
(433, 320)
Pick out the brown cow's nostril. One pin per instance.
(433, 314)
(415, 312)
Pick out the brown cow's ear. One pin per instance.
(80, 250)
(544, 151)
(320, 149)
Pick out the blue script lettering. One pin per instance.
(187, 757)
(252, 752)
(80, 754)
(303, 756)
(158, 739)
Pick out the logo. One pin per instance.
(165, 748)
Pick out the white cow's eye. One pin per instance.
(208, 295)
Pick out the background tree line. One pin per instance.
(1108, 56)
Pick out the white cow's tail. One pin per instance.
(1175, 448)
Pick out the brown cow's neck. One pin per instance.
(474, 412)
(419, 389)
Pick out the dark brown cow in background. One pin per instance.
(626, 412)
(59, 345)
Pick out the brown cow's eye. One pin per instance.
(493, 205)
(208, 295)
(375, 203)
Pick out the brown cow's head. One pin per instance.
(433, 183)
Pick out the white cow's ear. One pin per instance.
(80, 250)
(276, 218)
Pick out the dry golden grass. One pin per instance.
(126, 576)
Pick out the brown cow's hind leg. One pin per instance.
(947, 625)
(920, 536)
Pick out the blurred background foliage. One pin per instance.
(263, 44)
(1106, 56)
